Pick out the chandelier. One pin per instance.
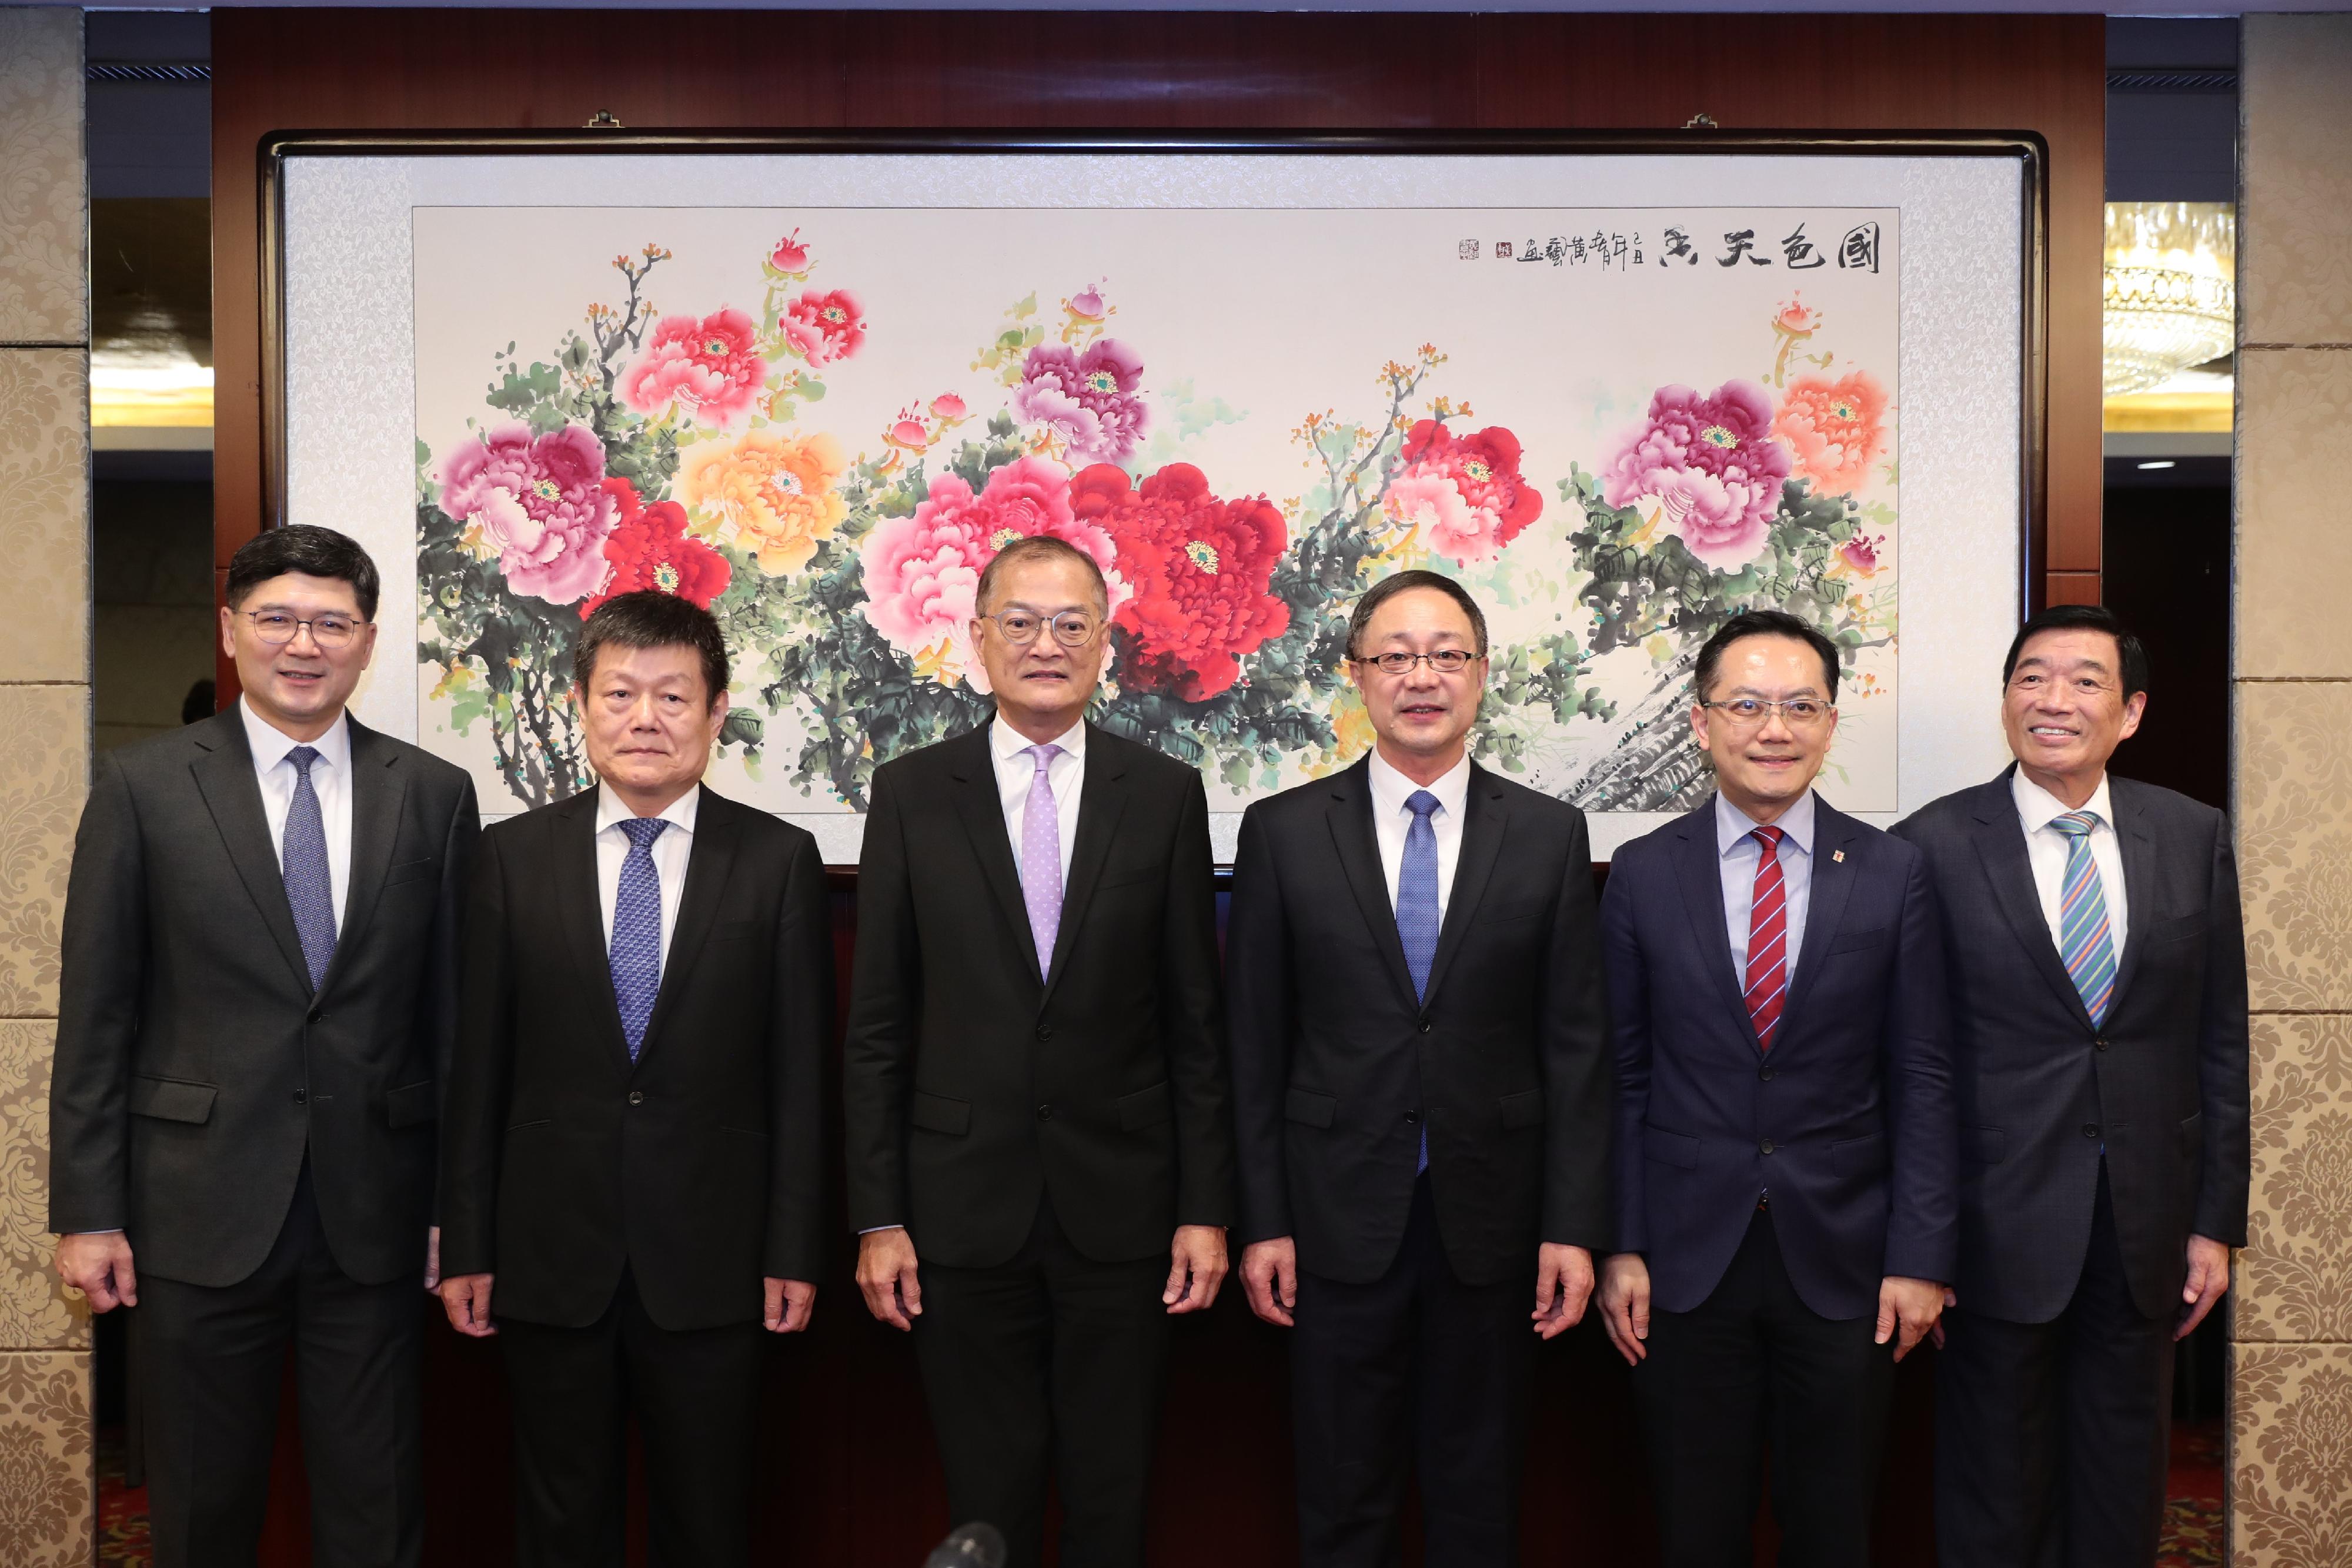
(2171, 291)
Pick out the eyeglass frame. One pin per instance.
(1769, 708)
(255, 616)
(1044, 622)
(1417, 660)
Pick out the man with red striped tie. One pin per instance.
(1786, 1147)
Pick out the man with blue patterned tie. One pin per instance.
(1420, 1083)
(633, 1179)
(2098, 971)
(254, 1019)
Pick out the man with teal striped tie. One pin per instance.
(2097, 964)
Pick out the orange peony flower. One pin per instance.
(770, 493)
(1835, 428)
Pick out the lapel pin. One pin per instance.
(1838, 855)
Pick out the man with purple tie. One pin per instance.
(1040, 1148)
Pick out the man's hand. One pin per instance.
(789, 1304)
(1196, 1267)
(1563, 1285)
(97, 1264)
(467, 1299)
(1937, 1334)
(1908, 1307)
(1625, 1304)
(1270, 1278)
(2209, 1277)
(433, 1262)
(886, 1275)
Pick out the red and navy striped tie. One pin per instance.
(1767, 940)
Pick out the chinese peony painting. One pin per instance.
(1616, 426)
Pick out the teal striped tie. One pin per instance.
(2086, 940)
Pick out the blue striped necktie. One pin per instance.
(637, 931)
(2085, 939)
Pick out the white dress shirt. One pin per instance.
(330, 780)
(2045, 849)
(1393, 819)
(671, 852)
(1739, 851)
(1016, 772)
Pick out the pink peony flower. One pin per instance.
(1087, 401)
(710, 368)
(1796, 316)
(910, 433)
(923, 572)
(1711, 465)
(789, 255)
(538, 503)
(1835, 428)
(947, 406)
(823, 327)
(1862, 554)
(1463, 492)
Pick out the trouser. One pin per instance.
(1753, 1364)
(2053, 1440)
(1414, 1367)
(1050, 1364)
(696, 1395)
(210, 1363)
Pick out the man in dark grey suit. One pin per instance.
(256, 1014)
(2098, 973)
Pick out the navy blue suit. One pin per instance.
(1848, 1123)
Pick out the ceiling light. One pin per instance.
(2171, 290)
(2159, 462)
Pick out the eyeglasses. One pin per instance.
(277, 628)
(1072, 628)
(1445, 662)
(1798, 713)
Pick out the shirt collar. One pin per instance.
(679, 813)
(2036, 807)
(1009, 743)
(1391, 790)
(1732, 824)
(269, 744)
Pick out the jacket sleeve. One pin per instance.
(103, 965)
(436, 1013)
(1577, 1066)
(1192, 993)
(1923, 1221)
(1259, 1010)
(800, 1037)
(481, 1071)
(878, 1066)
(2221, 1069)
(1629, 1026)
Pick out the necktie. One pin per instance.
(1041, 856)
(1416, 908)
(2086, 940)
(637, 931)
(302, 862)
(1767, 940)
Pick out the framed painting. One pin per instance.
(1622, 388)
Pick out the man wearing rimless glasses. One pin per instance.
(1786, 1151)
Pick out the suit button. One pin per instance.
(2090, 1129)
(1426, 1026)
(1045, 1113)
(1766, 1147)
(301, 1096)
(2100, 1043)
(1764, 1073)
(1045, 1031)
(1411, 1118)
(316, 1017)
(636, 1096)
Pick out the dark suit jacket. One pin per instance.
(1848, 1122)
(974, 1083)
(1336, 1062)
(194, 1066)
(701, 1165)
(2163, 1081)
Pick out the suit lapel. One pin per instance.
(378, 786)
(2000, 846)
(224, 774)
(1699, 869)
(709, 863)
(580, 909)
(1351, 819)
(1483, 819)
(1830, 887)
(2139, 880)
(982, 807)
(1101, 799)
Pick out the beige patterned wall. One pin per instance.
(2291, 1419)
(47, 1486)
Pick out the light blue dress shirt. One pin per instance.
(1737, 852)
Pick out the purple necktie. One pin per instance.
(1041, 857)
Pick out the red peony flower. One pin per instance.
(789, 255)
(1199, 569)
(1463, 491)
(710, 368)
(649, 548)
(823, 327)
